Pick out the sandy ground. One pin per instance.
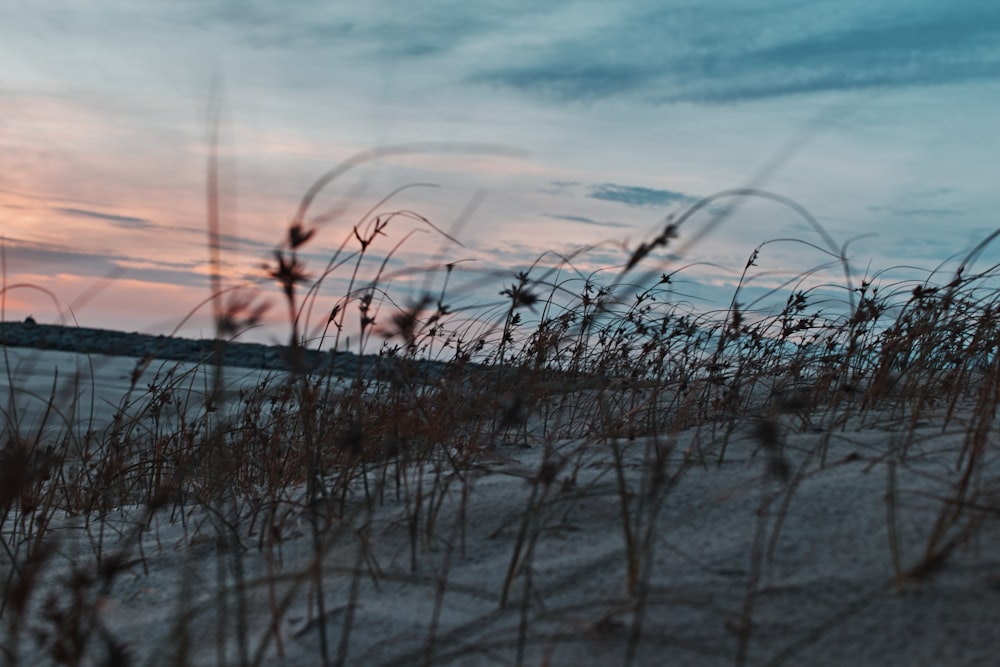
(100, 384)
(736, 565)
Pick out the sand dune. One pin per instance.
(522, 557)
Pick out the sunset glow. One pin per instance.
(878, 118)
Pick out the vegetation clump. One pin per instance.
(286, 508)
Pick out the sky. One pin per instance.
(517, 127)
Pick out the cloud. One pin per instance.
(22, 257)
(124, 221)
(924, 248)
(894, 40)
(559, 188)
(227, 242)
(44, 258)
(233, 243)
(941, 212)
(262, 24)
(378, 29)
(570, 81)
(588, 221)
(934, 192)
(728, 54)
(923, 203)
(636, 196)
(890, 51)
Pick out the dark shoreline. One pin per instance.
(86, 340)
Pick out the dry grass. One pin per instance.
(562, 358)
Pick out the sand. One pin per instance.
(522, 558)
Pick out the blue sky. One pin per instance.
(601, 119)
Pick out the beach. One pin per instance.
(647, 550)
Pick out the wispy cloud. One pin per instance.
(638, 196)
(773, 50)
(377, 30)
(234, 243)
(559, 187)
(50, 259)
(269, 26)
(942, 212)
(925, 248)
(925, 202)
(227, 242)
(571, 81)
(588, 221)
(124, 221)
